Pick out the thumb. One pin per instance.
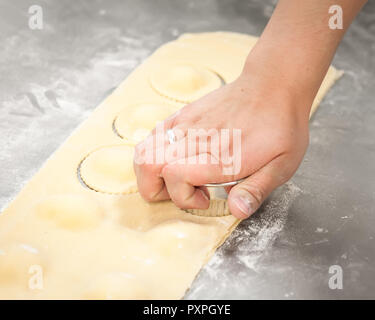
(246, 197)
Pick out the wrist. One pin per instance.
(269, 74)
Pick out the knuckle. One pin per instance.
(149, 169)
(167, 172)
(184, 201)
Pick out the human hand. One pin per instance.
(273, 121)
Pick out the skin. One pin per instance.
(270, 102)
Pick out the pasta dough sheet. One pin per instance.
(60, 239)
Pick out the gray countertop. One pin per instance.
(51, 79)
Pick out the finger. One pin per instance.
(183, 178)
(150, 157)
(246, 197)
(148, 173)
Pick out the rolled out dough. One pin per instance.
(108, 243)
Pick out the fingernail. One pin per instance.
(244, 204)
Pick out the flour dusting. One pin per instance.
(243, 250)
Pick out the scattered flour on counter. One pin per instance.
(239, 257)
(254, 236)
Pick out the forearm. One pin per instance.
(297, 46)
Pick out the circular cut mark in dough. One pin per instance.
(71, 212)
(184, 82)
(115, 286)
(109, 170)
(135, 123)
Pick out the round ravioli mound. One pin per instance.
(176, 237)
(110, 170)
(73, 212)
(184, 83)
(135, 123)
